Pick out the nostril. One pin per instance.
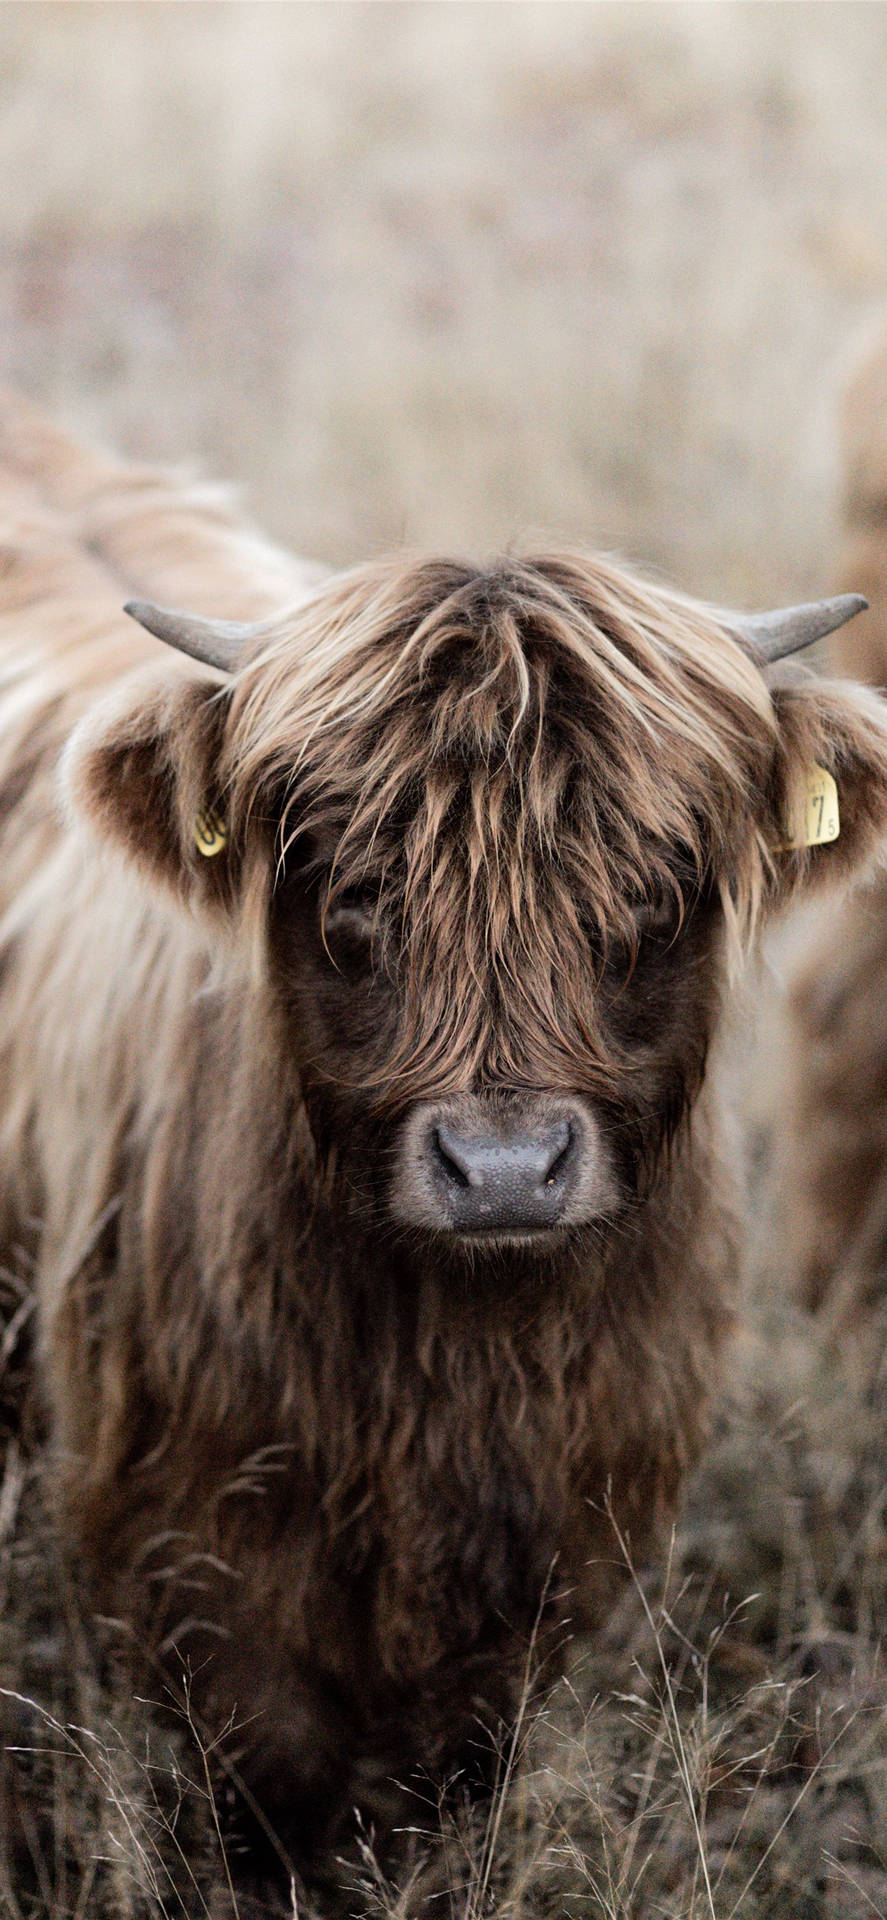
(558, 1165)
(506, 1177)
(447, 1164)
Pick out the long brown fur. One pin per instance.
(328, 1466)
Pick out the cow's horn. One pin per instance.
(773, 635)
(217, 643)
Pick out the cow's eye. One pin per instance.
(659, 919)
(350, 925)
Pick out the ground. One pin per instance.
(448, 274)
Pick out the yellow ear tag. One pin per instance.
(816, 819)
(210, 833)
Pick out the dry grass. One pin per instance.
(720, 1755)
(445, 273)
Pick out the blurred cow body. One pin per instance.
(832, 1121)
(382, 1227)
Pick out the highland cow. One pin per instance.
(355, 1012)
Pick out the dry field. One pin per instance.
(443, 274)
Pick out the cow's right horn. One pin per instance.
(217, 643)
(772, 636)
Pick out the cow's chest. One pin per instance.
(457, 1538)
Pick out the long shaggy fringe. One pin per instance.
(485, 749)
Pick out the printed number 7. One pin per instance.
(819, 801)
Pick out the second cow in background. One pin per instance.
(832, 1130)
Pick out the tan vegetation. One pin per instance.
(741, 1724)
(447, 273)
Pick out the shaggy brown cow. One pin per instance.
(355, 1109)
(832, 1124)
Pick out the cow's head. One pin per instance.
(492, 833)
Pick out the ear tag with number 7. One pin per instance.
(816, 818)
(210, 833)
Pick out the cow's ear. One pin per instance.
(142, 771)
(829, 732)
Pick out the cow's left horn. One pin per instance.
(217, 643)
(773, 635)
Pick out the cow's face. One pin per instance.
(491, 1096)
(495, 831)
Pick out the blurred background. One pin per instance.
(448, 273)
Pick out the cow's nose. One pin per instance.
(503, 1181)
